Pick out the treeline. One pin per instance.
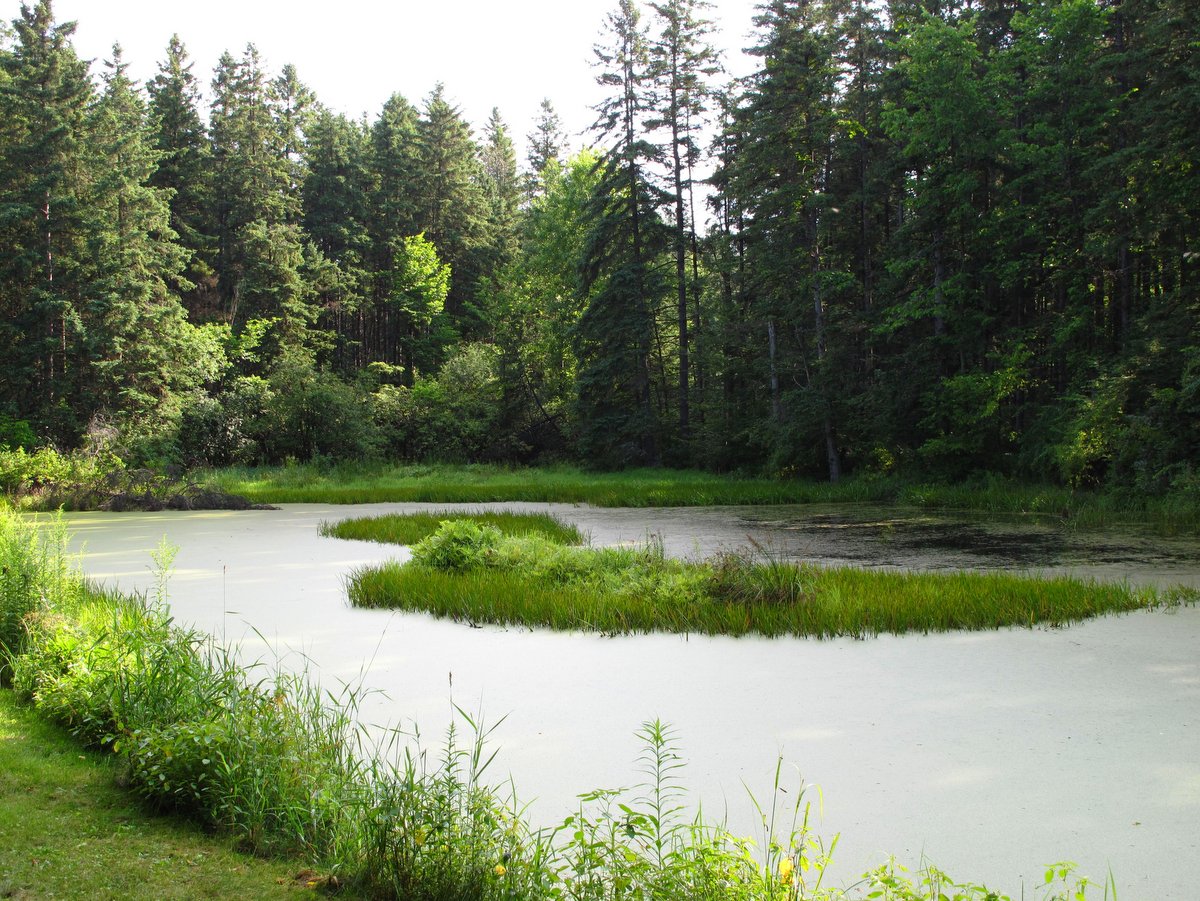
(954, 237)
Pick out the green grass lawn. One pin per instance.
(68, 830)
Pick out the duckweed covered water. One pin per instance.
(991, 753)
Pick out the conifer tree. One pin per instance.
(451, 206)
(546, 144)
(619, 422)
(294, 106)
(681, 62)
(502, 190)
(254, 181)
(184, 169)
(780, 183)
(42, 110)
(337, 207)
(138, 349)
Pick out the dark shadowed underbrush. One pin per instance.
(474, 573)
(281, 764)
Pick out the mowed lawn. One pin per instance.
(68, 830)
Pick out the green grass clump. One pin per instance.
(472, 574)
(409, 528)
(33, 567)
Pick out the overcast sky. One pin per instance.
(356, 53)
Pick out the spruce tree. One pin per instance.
(780, 185)
(139, 351)
(546, 144)
(681, 63)
(336, 198)
(502, 190)
(621, 278)
(42, 109)
(254, 181)
(451, 205)
(184, 170)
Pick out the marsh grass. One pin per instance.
(34, 567)
(366, 483)
(468, 574)
(279, 763)
(359, 483)
(409, 528)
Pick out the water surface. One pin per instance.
(991, 753)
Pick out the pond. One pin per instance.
(989, 753)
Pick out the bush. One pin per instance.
(316, 415)
(455, 416)
(15, 433)
(458, 544)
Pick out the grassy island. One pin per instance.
(471, 571)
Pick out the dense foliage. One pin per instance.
(942, 237)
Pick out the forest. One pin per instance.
(925, 236)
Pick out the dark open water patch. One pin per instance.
(931, 541)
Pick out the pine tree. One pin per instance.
(139, 346)
(681, 62)
(624, 286)
(184, 167)
(546, 144)
(42, 108)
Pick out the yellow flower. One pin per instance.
(786, 866)
(500, 869)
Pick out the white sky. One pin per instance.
(355, 53)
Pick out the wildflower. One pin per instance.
(786, 867)
(500, 869)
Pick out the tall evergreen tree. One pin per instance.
(780, 185)
(546, 144)
(42, 108)
(254, 180)
(619, 423)
(502, 190)
(337, 209)
(138, 343)
(681, 62)
(451, 206)
(184, 169)
(294, 106)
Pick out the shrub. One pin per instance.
(458, 544)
